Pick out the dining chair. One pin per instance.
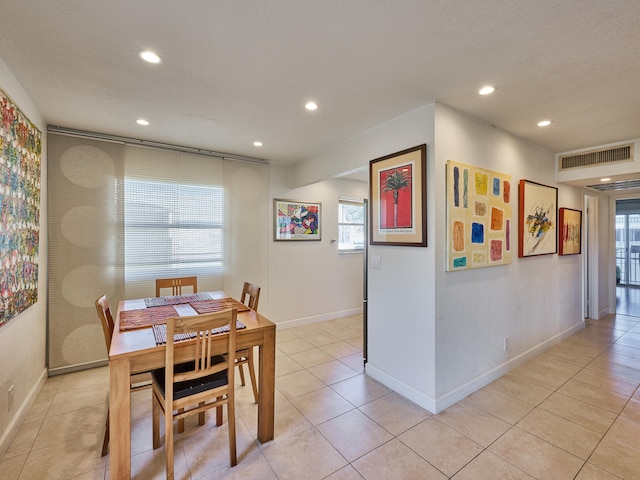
(184, 389)
(250, 297)
(139, 381)
(176, 284)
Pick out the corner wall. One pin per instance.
(23, 339)
(534, 301)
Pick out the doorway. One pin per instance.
(628, 256)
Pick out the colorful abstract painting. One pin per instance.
(570, 222)
(21, 145)
(295, 220)
(478, 217)
(537, 224)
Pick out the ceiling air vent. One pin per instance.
(622, 153)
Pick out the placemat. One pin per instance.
(144, 317)
(160, 333)
(217, 305)
(175, 299)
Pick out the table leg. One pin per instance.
(266, 390)
(119, 419)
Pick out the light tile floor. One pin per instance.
(573, 412)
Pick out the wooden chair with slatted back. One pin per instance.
(138, 381)
(250, 297)
(194, 387)
(176, 284)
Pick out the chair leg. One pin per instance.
(219, 413)
(168, 441)
(105, 442)
(155, 414)
(252, 375)
(181, 421)
(201, 417)
(241, 372)
(231, 414)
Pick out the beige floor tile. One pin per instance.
(536, 457)
(11, 467)
(24, 439)
(346, 333)
(41, 406)
(253, 466)
(632, 410)
(84, 426)
(360, 389)
(440, 445)
(591, 472)
(312, 357)
(473, 422)
(321, 338)
(588, 416)
(600, 397)
(340, 349)
(284, 335)
(98, 474)
(93, 378)
(307, 455)
(288, 422)
(605, 380)
(354, 434)
(522, 389)
(625, 350)
(394, 413)
(503, 406)
(66, 401)
(332, 372)
(295, 346)
(405, 464)
(355, 362)
(619, 451)
(488, 466)
(298, 383)
(151, 465)
(345, 473)
(321, 405)
(62, 461)
(562, 433)
(546, 372)
(286, 365)
(561, 353)
(618, 364)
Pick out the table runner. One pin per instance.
(160, 333)
(217, 305)
(144, 317)
(175, 299)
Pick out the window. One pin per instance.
(351, 236)
(172, 228)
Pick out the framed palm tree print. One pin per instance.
(398, 198)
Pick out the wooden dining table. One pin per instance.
(134, 350)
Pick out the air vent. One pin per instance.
(617, 186)
(622, 153)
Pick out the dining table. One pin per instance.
(136, 347)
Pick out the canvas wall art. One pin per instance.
(20, 144)
(478, 217)
(570, 222)
(538, 223)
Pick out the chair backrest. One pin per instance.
(104, 312)
(252, 291)
(205, 328)
(176, 284)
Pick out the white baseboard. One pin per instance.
(14, 425)
(450, 398)
(298, 322)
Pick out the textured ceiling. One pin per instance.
(238, 71)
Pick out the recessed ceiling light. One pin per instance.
(149, 56)
(257, 143)
(488, 90)
(605, 179)
(142, 121)
(544, 123)
(311, 106)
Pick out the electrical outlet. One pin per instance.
(506, 343)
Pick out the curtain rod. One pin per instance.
(147, 143)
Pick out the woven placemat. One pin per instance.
(218, 304)
(145, 317)
(175, 299)
(160, 333)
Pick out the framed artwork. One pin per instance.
(478, 217)
(398, 198)
(296, 220)
(570, 222)
(537, 219)
(20, 156)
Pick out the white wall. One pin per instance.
(23, 339)
(309, 280)
(533, 301)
